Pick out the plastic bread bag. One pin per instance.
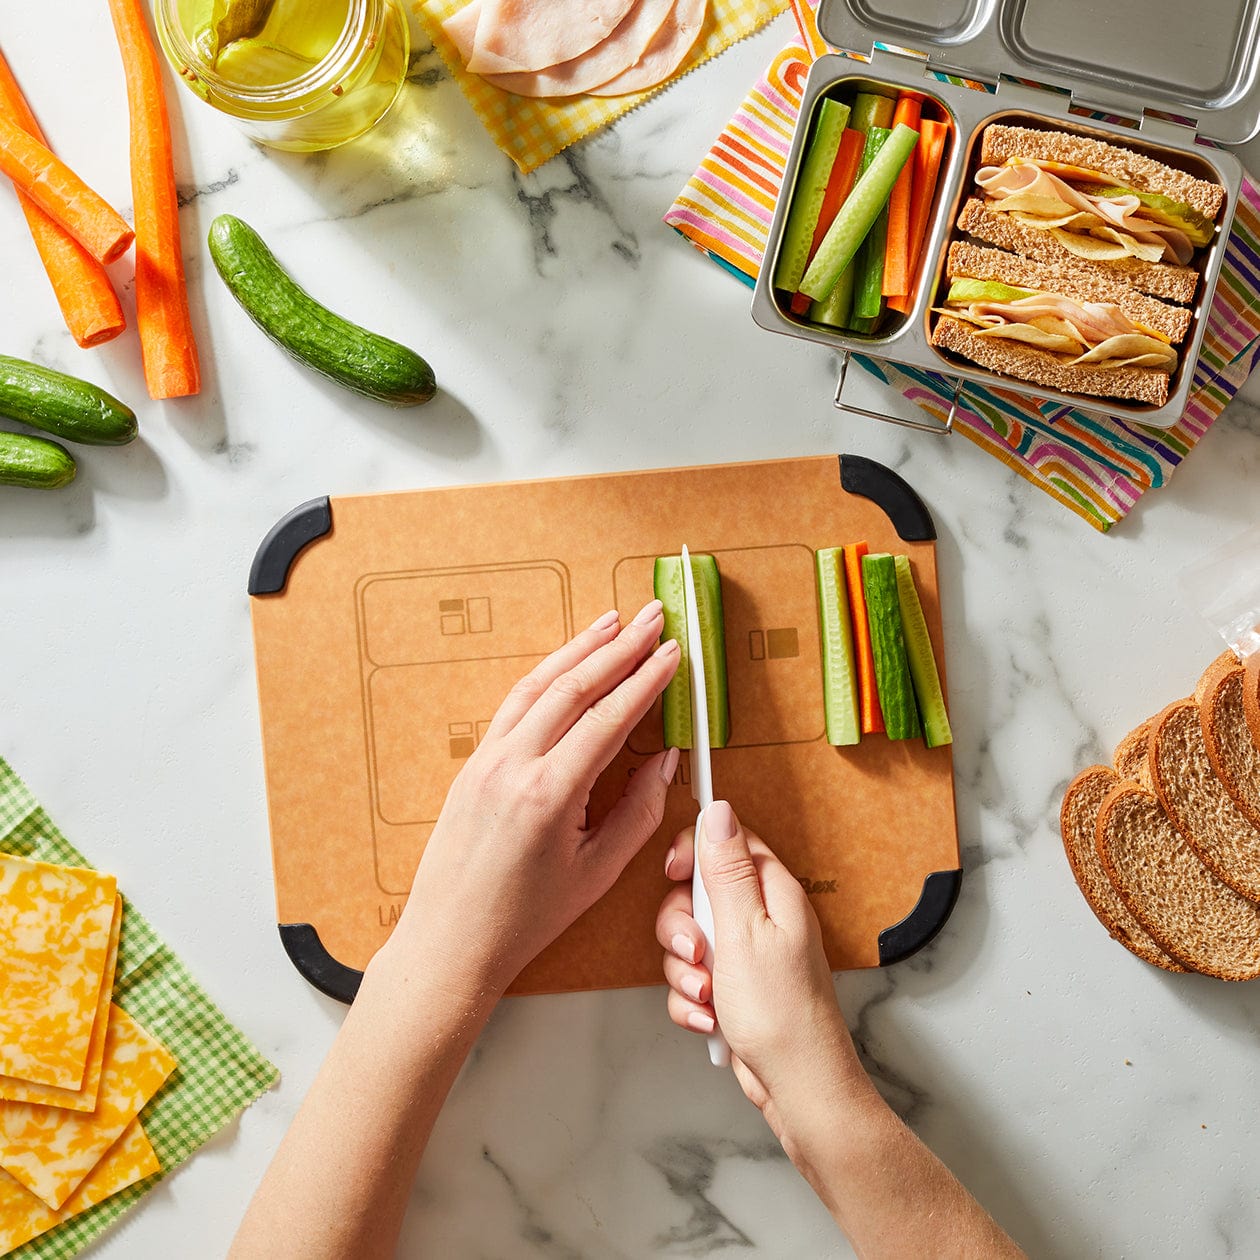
(1224, 588)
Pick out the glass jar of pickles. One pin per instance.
(294, 74)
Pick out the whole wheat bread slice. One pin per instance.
(1213, 674)
(980, 263)
(1129, 169)
(1193, 917)
(1078, 819)
(1234, 756)
(1027, 363)
(1164, 280)
(1198, 804)
(1251, 695)
(1130, 755)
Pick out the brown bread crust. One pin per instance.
(1197, 802)
(1078, 819)
(1037, 367)
(1251, 695)
(1130, 169)
(1213, 674)
(1234, 756)
(1202, 923)
(1130, 755)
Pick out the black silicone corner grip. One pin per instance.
(902, 506)
(305, 949)
(277, 552)
(940, 892)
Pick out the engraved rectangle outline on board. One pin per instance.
(367, 668)
(726, 551)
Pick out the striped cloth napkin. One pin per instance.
(1097, 465)
(218, 1074)
(530, 131)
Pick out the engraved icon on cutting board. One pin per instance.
(439, 649)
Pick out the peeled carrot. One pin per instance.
(58, 191)
(171, 368)
(868, 693)
(843, 176)
(897, 246)
(927, 165)
(88, 302)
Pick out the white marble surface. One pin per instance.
(1096, 1106)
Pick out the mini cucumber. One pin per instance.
(667, 579)
(34, 462)
(888, 646)
(927, 681)
(63, 405)
(362, 361)
(840, 693)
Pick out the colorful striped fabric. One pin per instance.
(1097, 465)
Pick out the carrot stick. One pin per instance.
(897, 247)
(171, 367)
(88, 302)
(927, 165)
(58, 191)
(868, 694)
(843, 176)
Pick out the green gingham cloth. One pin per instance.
(219, 1073)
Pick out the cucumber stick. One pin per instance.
(837, 307)
(927, 681)
(869, 263)
(859, 212)
(888, 646)
(34, 462)
(872, 110)
(840, 688)
(667, 579)
(362, 361)
(807, 196)
(63, 405)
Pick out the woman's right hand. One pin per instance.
(771, 991)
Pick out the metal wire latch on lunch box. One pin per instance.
(924, 426)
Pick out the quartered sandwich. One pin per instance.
(1086, 290)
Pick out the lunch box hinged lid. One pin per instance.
(1136, 59)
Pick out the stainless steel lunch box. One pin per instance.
(1170, 77)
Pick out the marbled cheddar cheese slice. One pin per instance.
(51, 1151)
(54, 941)
(83, 1099)
(24, 1216)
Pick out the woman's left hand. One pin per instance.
(513, 859)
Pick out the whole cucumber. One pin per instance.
(362, 361)
(34, 462)
(63, 405)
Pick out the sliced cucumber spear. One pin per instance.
(870, 109)
(860, 210)
(667, 579)
(927, 681)
(807, 196)
(888, 646)
(840, 692)
(869, 263)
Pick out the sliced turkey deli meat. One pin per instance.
(521, 35)
(461, 29)
(621, 50)
(675, 38)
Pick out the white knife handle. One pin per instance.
(702, 912)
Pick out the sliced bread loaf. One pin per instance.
(1195, 918)
(1197, 802)
(1078, 819)
(1130, 755)
(1214, 673)
(1251, 695)
(1230, 748)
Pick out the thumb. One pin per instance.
(726, 865)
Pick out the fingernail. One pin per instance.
(684, 947)
(669, 861)
(693, 987)
(648, 613)
(719, 822)
(668, 648)
(609, 619)
(668, 766)
(700, 1021)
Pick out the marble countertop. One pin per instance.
(1097, 1106)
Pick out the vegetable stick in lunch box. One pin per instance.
(171, 368)
(88, 302)
(844, 173)
(867, 299)
(868, 692)
(897, 249)
(59, 192)
(927, 168)
(871, 110)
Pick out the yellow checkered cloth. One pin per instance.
(532, 130)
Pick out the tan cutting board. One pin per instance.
(387, 628)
